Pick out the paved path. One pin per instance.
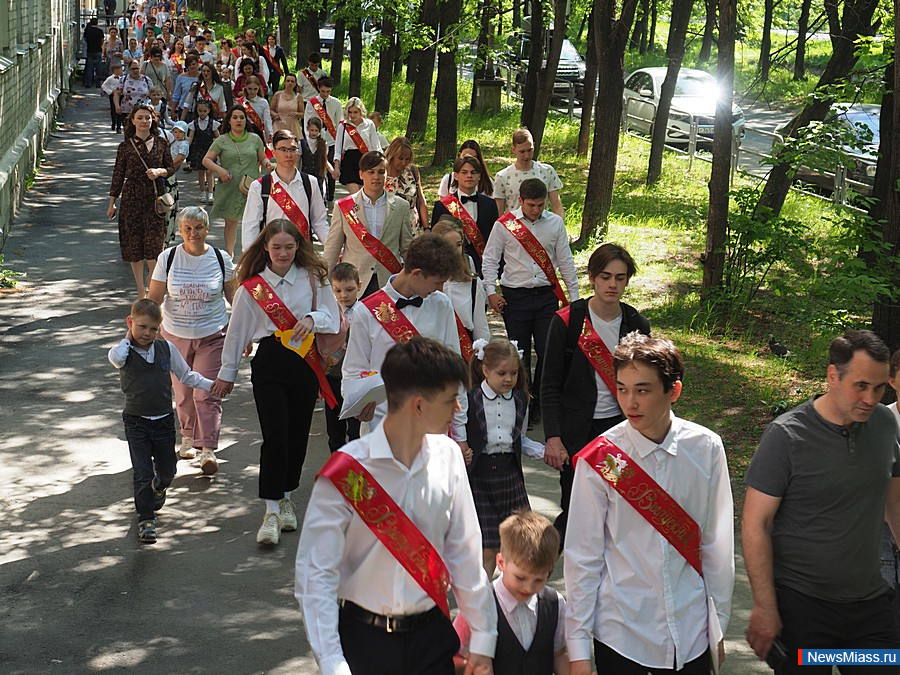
(79, 594)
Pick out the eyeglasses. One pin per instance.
(291, 150)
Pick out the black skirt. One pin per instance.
(350, 167)
(498, 488)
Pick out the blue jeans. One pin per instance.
(91, 60)
(153, 462)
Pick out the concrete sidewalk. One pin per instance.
(80, 594)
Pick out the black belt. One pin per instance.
(537, 290)
(391, 624)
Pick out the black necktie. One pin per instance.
(466, 198)
(403, 302)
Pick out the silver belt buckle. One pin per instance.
(388, 624)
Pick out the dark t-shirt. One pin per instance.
(832, 481)
(93, 37)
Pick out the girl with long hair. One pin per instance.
(471, 148)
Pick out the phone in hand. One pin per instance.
(777, 654)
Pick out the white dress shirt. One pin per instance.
(499, 417)
(472, 206)
(521, 271)
(333, 109)
(627, 586)
(118, 354)
(608, 331)
(261, 106)
(473, 318)
(338, 557)
(366, 129)
(375, 212)
(521, 617)
(316, 213)
(307, 90)
(369, 342)
(250, 322)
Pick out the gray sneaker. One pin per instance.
(186, 451)
(270, 530)
(287, 514)
(208, 462)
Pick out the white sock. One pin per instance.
(287, 495)
(271, 505)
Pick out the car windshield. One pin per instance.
(867, 121)
(569, 53)
(695, 85)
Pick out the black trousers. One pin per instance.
(372, 287)
(115, 120)
(339, 431)
(610, 661)
(567, 475)
(527, 316)
(285, 390)
(374, 651)
(819, 624)
(151, 444)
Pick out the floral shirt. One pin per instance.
(133, 91)
(405, 186)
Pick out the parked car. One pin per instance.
(696, 93)
(859, 121)
(326, 37)
(513, 63)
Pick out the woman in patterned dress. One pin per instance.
(239, 153)
(141, 230)
(404, 181)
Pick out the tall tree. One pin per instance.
(802, 28)
(423, 61)
(590, 91)
(446, 90)
(385, 63)
(765, 45)
(482, 47)
(536, 37)
(639, 34)
(886, 313)
(709, 31)
(307, 34)
(285, 21)
(337, 50)
(547, 77)
(681, 17)
(856, 21)
(612, 37)
(720, 175)
(354, 88)
(651, 32)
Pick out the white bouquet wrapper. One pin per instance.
(360, 391)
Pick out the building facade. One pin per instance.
(40, 41)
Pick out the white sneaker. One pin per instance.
(187, 448)
(208, 463)
(287, 515)
(270, 530)
(203, 197)
(209, 198)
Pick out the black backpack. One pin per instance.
(266, 182)
(171, 259)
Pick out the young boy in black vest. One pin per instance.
(146, 365)
(530, 615)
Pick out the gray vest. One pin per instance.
(510, 657)
(147, 386)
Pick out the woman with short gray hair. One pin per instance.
(192, 281)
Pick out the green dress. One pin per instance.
(240, 159)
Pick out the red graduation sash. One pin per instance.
(313, 81)
(537, 252)
(290, 208)
(252, 115)
(372, 244)
(465, 342)
(319, 107)
(272, 61)
(654, 504)
(395, 322)
(204, 92)
(456, 209)
(595, 350)
(283, 318)
(353, 132)
(390, 525)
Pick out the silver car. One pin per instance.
(695, 98)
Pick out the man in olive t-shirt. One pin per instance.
(825, 477)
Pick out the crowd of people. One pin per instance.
(425, 488)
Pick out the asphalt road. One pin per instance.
(79, 593)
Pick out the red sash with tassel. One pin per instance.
(284, 320)
(537, 252)
(287, 204)
(312, 80)
(319, 107)
(595, 350)
(353, 132)
(456, 209)
(204, 92)
(465, 342)
(390, 525)
(252, 115)
(372, 244)
(395, 322)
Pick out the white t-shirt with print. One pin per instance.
(508, 180)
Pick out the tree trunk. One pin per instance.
(651, 37)
(681, 17)
(516, 15)
(547, 76)
(258, 10)
(590, 90)
(857, 20)
(720, 174)
(640, 28)
(423, 62)
(356, 58)
(765, 45)
(535, 64)
(886, 313)
(482, 48)
(446, 91)
(398, 55)
(307, 37)
(612, 37)
(337, 52)
(581, 27)
(803, 27)
(708, 33)
(385, 65)
(285, 21)
(645, 19)
(270, 9)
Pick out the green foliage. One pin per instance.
(8, 278)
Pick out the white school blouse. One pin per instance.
(499, 417)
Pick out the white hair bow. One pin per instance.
(478, 348)
(515, 343)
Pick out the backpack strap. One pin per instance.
(307, 187)
(221, 265)
(266, 182)
(474, 290)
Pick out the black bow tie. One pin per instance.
(403, 302)
(465, 198)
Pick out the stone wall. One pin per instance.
(40, 41)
